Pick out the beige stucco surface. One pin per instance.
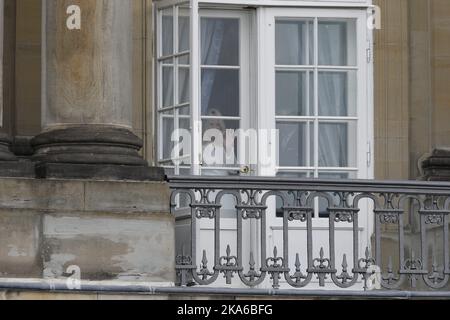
(110, 230)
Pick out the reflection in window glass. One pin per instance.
(334, 145)
(167, 31)
(183, 85)
(294, 144)
(294, 42)
(337, 93)
(167, 128)
(220, 92)
(337, 43)
(294, 93)
(167, 86)
(220, 41)
(183, 30)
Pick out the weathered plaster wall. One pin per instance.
(111, 230)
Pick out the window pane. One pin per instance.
(220, 92)
(184, 60)
(337, 94)
(183, 85)
(229, 149)
(167, 130)
(294, 149)
(184, 111)
(167, 31)
(167, 86)
(295, 175)
(220, 41)
(337, 43)
(337, 145)
(185, 123)
(183, 30)
(294, 93)
(294, 42)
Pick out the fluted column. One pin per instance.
(87, 93)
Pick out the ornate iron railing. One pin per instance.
(414, 214)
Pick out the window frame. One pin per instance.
(266, 79)
(261, 93)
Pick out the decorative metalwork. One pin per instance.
(251, 208)
(322, 267)
(348, 202)
(228, 265)
(434, 219)
(390, 278)
(204, 272)
(252, 274)
(389, 218)
(184, 267)
(275, 267)
(298, 276)
(413, 267)
(344, 277)
(298, 214)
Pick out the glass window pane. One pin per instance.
(185, 151)
(167, 130)
(294, 93)
(184, 60)
(337, 43)
(220, 41)
(294, 42)
(228, 149)
(220, 92)
(337, 93)
(183, 85)
(167, 31)
(295, 175)
(167, 86)
(184, 111)
(183, 30)
(296, 144)
(337, 145)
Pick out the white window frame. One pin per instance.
(364, 110)
(263, 95)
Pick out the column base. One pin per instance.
(10, 165)
(98, 172)
(5, 153)
(17, 169)
(92, 152)
(437, 166)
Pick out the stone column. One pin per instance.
(436, 167)
(87, 94)
(5, 140)
(10, 165)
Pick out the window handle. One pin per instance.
(245, 170)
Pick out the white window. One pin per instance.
(300, 70)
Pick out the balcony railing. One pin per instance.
(407, 244)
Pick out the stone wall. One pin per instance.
(110, 230)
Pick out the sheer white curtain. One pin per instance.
(212, 36)
(332, 95)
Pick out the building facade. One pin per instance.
(355, 88)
